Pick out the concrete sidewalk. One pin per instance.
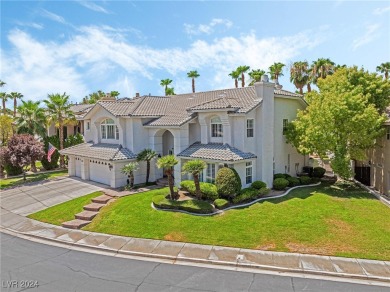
(17, 203)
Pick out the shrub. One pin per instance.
(280, 184)
(54, 157)
(245, 195)
(263, 191)
(258, 184)
(228, 182)
(208, 190)
(293, 181)
(279, 175)
(12, 170)
(305, 180)
(193, 206)
(221, 203)
(318, 172)
(189, 186)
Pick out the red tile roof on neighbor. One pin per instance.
(176, 110)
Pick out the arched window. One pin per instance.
(109, 129)
(216, 127)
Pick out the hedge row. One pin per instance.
(209, 191)
(194, 206)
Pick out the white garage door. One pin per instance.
(78, 167)
(99, 172)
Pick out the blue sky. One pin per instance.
(79, 47)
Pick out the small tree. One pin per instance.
(5, 128)
(228, 182)
(147, 155)
(129, 170)
(168, 162)
(23, 150)
(195, 167)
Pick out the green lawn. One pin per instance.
(65, 211)
(329, 220)
(6, 183)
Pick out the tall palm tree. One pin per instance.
(195, 168)
(15, 96)
(147, 155)
(242, 70)
(255, 75)
(322, 68)
(129, 170)
(299, 74)
(165, 82)
(276, 70)
(168, 162)
(59, 113)
(170, 91)
(4, 98)
(384, 68)
(31, 119)
(193, 75)
(235, 75)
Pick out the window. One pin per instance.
(249, 128)
(109, 130)
(216, 127)
(248, 171)
(388, 133)
(88, 126)
(285, 123)
(210, 173)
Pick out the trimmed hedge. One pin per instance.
(279, 175)
(209, 191)
(12, 170)
(221, 204)
(228, 182)
(193, 206)
(258, 184)
(305, 180)
(280, 184)
(293, 181)
(247, 194)
(318, 172)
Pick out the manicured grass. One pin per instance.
(329, 220)
(6, 183)
(65, 211)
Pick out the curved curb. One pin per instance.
(236, 206)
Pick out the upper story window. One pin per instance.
(109, 129)
(388, 133)
(216, 127)
(285, 124)
(249, 128)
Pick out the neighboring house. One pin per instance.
(375, 171)
(239, 127)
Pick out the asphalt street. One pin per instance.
(27, 265)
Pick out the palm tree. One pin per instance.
(235, 75)
(170, 91)
(165, 82)
(299, 75)
(195, 168)
(129, 170)
(31, 119)
(59, 113)
(384, 68)
(193, 75)
(4, 98)
(147, 155)
(15, 96)
(322, 68)
(242, 70)
(255, 75)
(115, 94)
(168, 162)
(276, 70)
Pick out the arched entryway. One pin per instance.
(164, 144)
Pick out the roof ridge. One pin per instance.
(142, 98)
(205, 102)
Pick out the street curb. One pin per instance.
(178, 259)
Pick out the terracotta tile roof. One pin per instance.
(119, 108)
(151, 106)
(100, 151)
(215, 151)
(77, 108)
(286, 93)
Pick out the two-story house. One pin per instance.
(239, 127)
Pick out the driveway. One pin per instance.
(33, 197)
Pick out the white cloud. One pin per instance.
(30, 24)
(94, 7)
(206, 28)
(371, 33)
(52, 16)
(379, 11)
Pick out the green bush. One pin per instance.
(54, 157)
(280, 184)
(209, 191)
(258, 184)
(12, 170)
(228, 182)
(221, 203)
(318, 172)
(245, 195)
(263, 191)
(293, 181)
(305, 180)
(188, 185)
(193, 206)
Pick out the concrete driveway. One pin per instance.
(27, 199)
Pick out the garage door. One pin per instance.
(99, 172)
(78, 167)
